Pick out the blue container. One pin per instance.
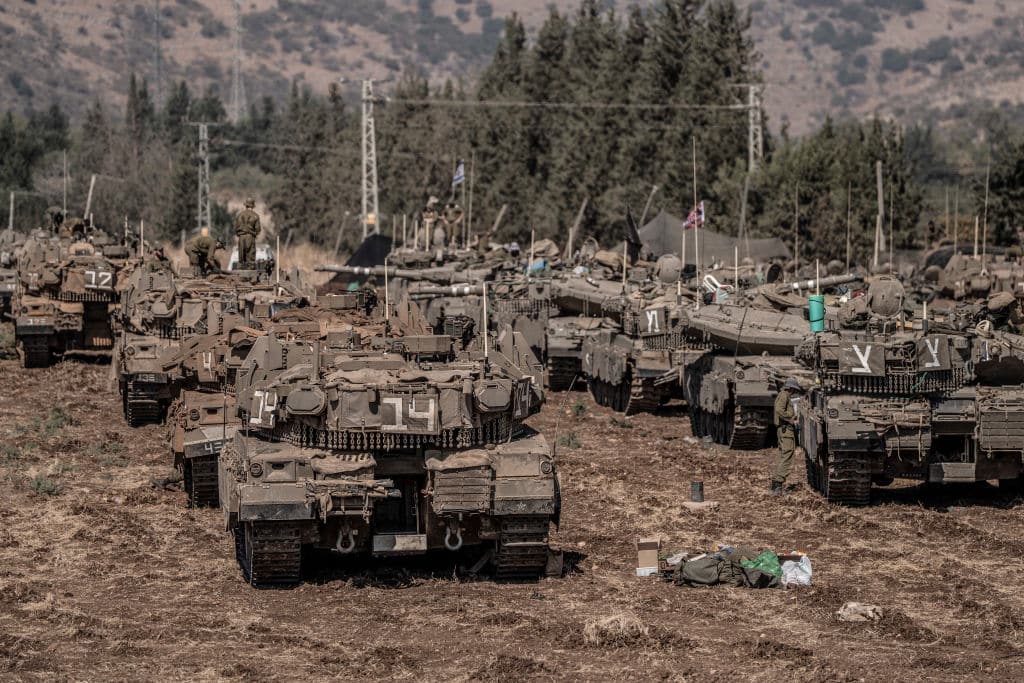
(816, 312)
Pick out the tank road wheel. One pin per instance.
(35, 352)
(201, 481)
(521, 551)
(270, 553)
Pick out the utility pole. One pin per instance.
(238, 103)
(879, 238)
(370, 205)
(157, 57)
(65, 205)
(203, 197)
(755, 143)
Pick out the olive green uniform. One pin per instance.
(453, 216)
(785, 418)
(201, 252)
(247, 227)
(429, 221)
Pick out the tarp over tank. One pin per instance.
(662, 236)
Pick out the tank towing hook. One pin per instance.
(341, 546)
(448, 536)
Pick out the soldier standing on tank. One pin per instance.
(785, 424)
(430, 218)
(54, 219)
(453, 217)
(247, 227)
(202, 253)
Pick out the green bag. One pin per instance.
(767, 562)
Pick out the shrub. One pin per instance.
(570, 440)
(894, 60)
(44, 486)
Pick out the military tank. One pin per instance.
(632, 360)
(399, 450)
(11, 242)
(898, 398)
(201, 419)
(148, 333)
(66, 294)
(750, 340)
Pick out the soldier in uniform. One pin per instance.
(430, 218)
(453, 216)
(247, 227)
(53, 220)
(202, 253)
(785, 423)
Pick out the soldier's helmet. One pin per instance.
(433, 201)
(835, 267)
(792, 385)
(250, 203)
(885, 296)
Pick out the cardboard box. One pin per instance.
(647, 550)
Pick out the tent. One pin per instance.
(662, 236)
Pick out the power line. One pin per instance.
(527, 104)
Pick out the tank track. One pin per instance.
(614, 396)
(749, 430)
(35, 352)
(140, 409)
(845, 480)
(644, 396)
(561, 373)
(522, 549)
(269, 553)
(201, 481)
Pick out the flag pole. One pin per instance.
(696, 227)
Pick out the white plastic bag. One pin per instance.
(797, 573)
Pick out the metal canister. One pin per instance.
(696, 491)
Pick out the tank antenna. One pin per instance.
(387, 296)
(485, 320)
(624, 245)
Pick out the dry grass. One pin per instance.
(111, 577)
(617, 630)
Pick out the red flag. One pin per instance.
(696, 218)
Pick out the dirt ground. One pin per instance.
(103, 576)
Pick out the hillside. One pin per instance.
(933, 59)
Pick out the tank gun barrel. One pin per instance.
(830, 281)
(439, 276)
(432, 290)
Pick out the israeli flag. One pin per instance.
(460, 173)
